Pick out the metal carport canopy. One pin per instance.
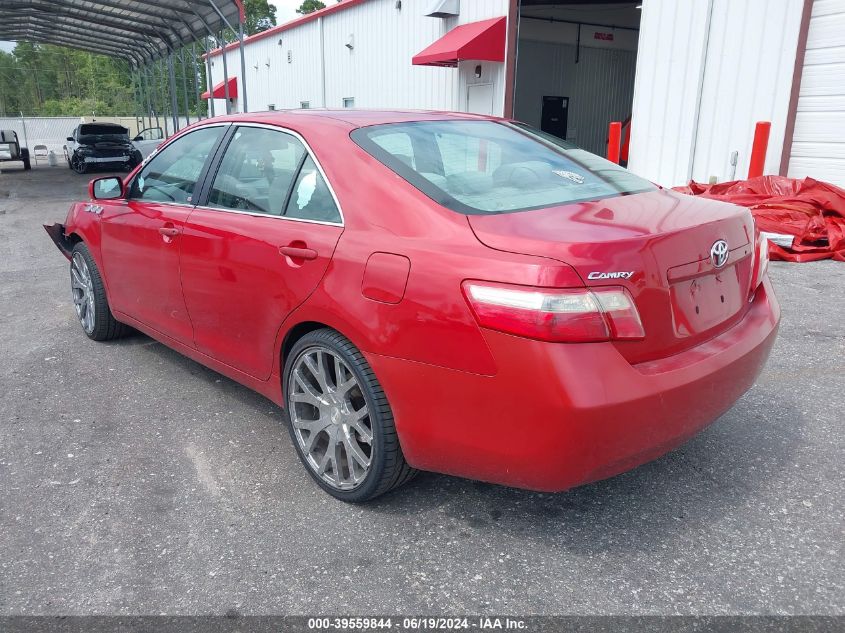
(139, 32)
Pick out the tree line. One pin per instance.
(47, 80)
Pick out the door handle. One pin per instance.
(169, 231)
(298, 252)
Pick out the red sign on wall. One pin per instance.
(608, 37)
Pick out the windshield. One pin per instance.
(103, 133)
(480, 167)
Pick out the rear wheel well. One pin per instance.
(297, 332)
(74, 239)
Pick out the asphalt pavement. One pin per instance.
(135, 481)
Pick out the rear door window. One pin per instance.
(311, 198)
(257, 171)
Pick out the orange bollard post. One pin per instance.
(758, 149)
(614, 141)
(626, 143)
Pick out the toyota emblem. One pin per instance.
(719, 253)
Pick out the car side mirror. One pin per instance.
(69, 138)
(107, 188)
(138, 138)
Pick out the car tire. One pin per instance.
(338, 419)
(27, 165)
(89, 297)
(77, 165)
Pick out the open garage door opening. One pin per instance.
(575, 68)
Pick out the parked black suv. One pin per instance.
(100, 145)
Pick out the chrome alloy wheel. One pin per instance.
(330, 418)
(83, 292)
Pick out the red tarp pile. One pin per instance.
(812, 211)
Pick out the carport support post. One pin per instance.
(210, 80)
(145, 103)
(225, 73)
(174, 102)
(145, 90)
(185, 87)
(136, 96)
(160, 102)
(140, 97)
(223, 48)
(245, 107)
(197, 93)
(141, 104)
(23, 125)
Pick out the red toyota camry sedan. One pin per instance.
(423, 290)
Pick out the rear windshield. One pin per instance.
(96, 133)
(482, 167)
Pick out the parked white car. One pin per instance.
(148, 140)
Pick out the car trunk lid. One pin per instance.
(658, 246)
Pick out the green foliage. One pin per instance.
(260, 16)
(309, 6)
(47, 80)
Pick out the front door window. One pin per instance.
(172, 174)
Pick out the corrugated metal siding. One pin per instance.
(377, 72)
(271, 79)
(669, 64)
(600, 88)
(818, 146)
(747, 78)
(699, 92)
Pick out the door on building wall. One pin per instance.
(480, 99)
(553, 118)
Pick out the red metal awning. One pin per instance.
(482, 41)
(220, 90)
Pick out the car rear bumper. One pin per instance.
(557, 416)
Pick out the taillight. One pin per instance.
(761, 263)
(558, 315)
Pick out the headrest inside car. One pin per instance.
(523, 175)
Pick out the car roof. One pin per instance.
(349, 118)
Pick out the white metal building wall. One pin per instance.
(707, 71)
(281, 70)
(376, 72)
(669, 63)
(747, 78)
(818, 145)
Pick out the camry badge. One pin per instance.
(622, 274)
(719, 253)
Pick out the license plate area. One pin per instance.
(106, 159)
(704, 302)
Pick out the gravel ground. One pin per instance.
(134, 481)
